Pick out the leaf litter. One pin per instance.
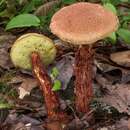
(111, 81)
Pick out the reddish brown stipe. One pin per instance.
(83, 81)
(51, 100)
(55, 116)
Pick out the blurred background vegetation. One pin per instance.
(38, 13)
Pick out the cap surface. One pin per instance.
(32, 42)
(83, 23)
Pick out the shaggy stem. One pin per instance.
(56, 118)
(83, 81)
(51, 100)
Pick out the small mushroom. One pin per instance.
(32, 42)
(83, 24)
(34, 51)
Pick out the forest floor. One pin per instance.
(22, 102)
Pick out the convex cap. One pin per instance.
(32, 42)
(83, 23)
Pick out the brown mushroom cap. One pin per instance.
(83, 23)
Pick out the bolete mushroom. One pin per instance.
(32, 42)
(83, 24)
(34, 51)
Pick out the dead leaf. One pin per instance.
(102, 62)
(121, 58)
(128, 124)
(26, 119)
(19, 126)
(45, 8)
(65, 68)
(119, 125)
(3, 115)
(5, 61)
(22, 122)
(104, 128)
(104, 67)
(23, 2)
(125, 76)
(27, 83)
(5, 38)
(118, 96)
(122, 124)
(115, 73)
(26, 87)
(6, 41)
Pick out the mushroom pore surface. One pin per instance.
(83, 23)
(24, 46)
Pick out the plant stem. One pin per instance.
(83, 81)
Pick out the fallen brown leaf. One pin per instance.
(119, 125)
(25, 83)
(118, 96)
(45, 8)
(121, 58)
(5, 61)
(65, 68)
(6, 41)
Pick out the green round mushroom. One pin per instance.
(32, 42)
(32, 51)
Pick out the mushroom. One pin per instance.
(32, 42)
(34, 51)
(83, 24)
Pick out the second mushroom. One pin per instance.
(35, 51)
(83, 24)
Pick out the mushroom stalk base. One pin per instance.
(55, 117)
(83, 81)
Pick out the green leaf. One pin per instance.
(23, 20)
(114, 2)
(125, 25)
(5, 14)
(57, 85)
(112, 37)
(110, 7)
(29, 7)
(105, 1)
(37, 2)
(2, 5)
(5, 105)
(1, 2)
(124, 0)
(3, 88)
(68, 1)
(54, 72)
(124, 34)
(126, 18)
